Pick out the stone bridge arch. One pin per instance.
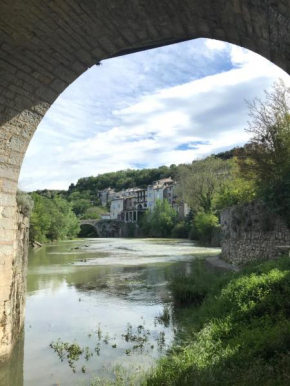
(92, 223)
(46, 45)
(106, 228)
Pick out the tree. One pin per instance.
(200, 181)
(266, 158)
(52, 219)
(161, 220)
(80, 206)
(205, 225)
(235, 191)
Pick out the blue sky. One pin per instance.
(158, 107)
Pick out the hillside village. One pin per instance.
(129, 204)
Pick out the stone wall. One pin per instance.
(250, 232)
(12, 315)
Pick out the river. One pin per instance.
(109, 296)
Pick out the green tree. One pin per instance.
(161, 221)
(93, 213)
(266, 158)
(80, 206)
(200, 181)
(52, 219)
(235, 191)
(205, 224)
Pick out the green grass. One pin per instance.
(238, 328)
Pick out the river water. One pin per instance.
(106, 295)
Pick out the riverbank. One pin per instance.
(238, 328)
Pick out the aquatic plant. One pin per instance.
(88, 353)
(99, 331)
(161, 340)
(140, 337)
(164, 318)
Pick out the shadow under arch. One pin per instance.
(88, 230)
(46, 46)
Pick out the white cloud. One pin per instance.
(143, 109)
(215, 45)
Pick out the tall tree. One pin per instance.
(266, 159)
(200, 181)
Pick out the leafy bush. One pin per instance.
(180, 231)
(236, 191)
(205, 224)
(159, 222)
(93, 213)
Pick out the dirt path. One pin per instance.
(216, 262)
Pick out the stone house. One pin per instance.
(128, 204)
(156, 191)
(117, 207)
(106, 196)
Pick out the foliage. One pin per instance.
(200, 181)
(180, 230)
(160, 222)
(80, 206)
(228, 154)
(235, 191)
(52, 219)
(94, 213)
(122, 179)
(266, 158)
(205, 225)
(193, 288)
(242, 334)
(122, 377)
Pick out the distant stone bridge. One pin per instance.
(106, 228)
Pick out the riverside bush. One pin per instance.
(180, 230)
(244, 333)
(205, 225)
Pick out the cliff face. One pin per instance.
(251, 233)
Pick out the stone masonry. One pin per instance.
(46, 45)
(251, 233)
(12, 318)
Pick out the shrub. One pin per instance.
(180, 231)
(205, 225)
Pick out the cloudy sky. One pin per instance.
(158, 107)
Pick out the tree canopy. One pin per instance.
(52, 219)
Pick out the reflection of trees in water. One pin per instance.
(11, 371)
(146, 284)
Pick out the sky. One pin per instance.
(163, 106)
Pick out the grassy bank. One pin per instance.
(238, 328)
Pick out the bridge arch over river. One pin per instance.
(46, 45)
(106, 228)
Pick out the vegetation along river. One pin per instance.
(103, 302)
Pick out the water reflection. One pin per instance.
(77, 288)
